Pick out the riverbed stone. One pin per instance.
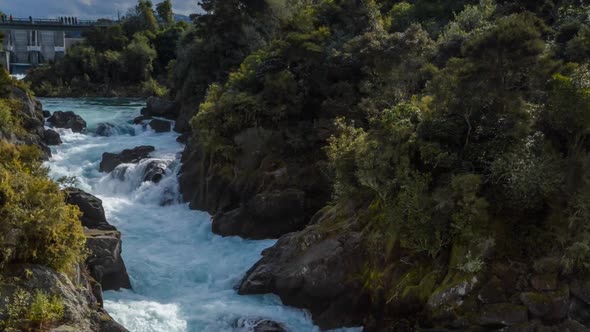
(51, 137)
(161, 126)
(155, 171)
(129, 156)
(140, 119)
(161, 107)
(68, 120)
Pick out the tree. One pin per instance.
(165, 13)
(140, 18)
(139, 59)
(111, 38)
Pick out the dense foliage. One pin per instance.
(36, 225)
(456, 124)
(128, 58)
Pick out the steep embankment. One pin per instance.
(44, 281)
(446, 154)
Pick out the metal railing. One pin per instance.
(56, 22)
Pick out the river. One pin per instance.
(183, 275)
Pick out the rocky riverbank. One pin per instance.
(79, 291)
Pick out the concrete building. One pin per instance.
(30, 42)
(25, 48)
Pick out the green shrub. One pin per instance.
(32, 313)
(32, 208)
(45, 310)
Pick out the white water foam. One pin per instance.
(183, 275)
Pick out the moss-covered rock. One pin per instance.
(502, 314)
(548, 306)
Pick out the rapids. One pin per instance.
(183, 275)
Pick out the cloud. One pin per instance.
(84, 9)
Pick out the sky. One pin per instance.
(83, 9)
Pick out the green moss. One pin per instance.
(422, 291)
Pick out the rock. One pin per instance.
(32, 108)
(68, 120)
(261, 195)
(492, 292)
(544, 282)
(103, 242)
(183, 138)
(107, 324)
(46, 114)
(259, 325)
(451, 294)
(81, 311)
(307, 271)
(161, 126)
(547, 306)
(105, 129)
(581, 290)
(93, 215)
(256, 220)
(105, 263)
(502, 314)
(579, 310)
(161, 107)
(51, 137)
(111, 160)
(140, 119)
(155, 171)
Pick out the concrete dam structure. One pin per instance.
(30, 42)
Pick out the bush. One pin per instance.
(36, 225)
(32, 313)
(45, 310)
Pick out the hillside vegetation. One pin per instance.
(458, 132)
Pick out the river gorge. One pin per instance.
(183, 276)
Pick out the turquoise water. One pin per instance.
(183, 275)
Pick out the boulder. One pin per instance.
(161, 126)
(183, 138)
(140, 119)
(105, 129)
(309, 271)
(111, 160)
(46, 114)
(451, 294)
(51, 137)
(155, 171)
(502, 314)
(68, 120)
(579, 310)
(550, 306)
(93, 215)
(257, 219)
(581, 290)
(104, 262)
(161, 107)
